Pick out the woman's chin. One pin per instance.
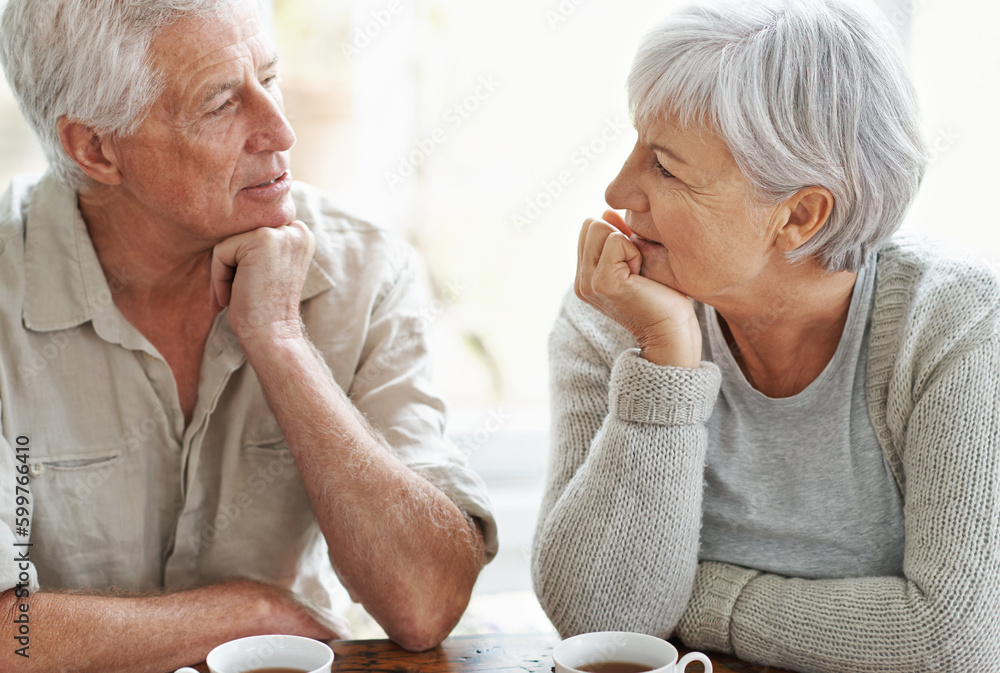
(653, 270)
(658, 274)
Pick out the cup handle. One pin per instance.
(687, 659)
(186, 669)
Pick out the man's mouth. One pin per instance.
(272, 181)
(279, 181)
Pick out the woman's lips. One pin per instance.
(641, 242)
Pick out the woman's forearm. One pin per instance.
(618, 551)
(617, 540)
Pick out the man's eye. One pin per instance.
(663, 171)
(222, 108)
(268, 82)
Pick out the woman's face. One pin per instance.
(688, 207)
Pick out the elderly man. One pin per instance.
(212, 382)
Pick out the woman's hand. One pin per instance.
(661, 319)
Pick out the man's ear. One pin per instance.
(806, 212)
(90, 150)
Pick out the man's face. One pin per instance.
(211, 158)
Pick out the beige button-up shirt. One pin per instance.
(120, 492)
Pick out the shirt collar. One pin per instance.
(317, 279)
(66, 285)
(63, 274)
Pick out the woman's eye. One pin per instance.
(663, 171)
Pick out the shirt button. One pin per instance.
(35, 469)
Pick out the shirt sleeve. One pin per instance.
(944, 613)
(617, 539)
(392, 388)
(16, 568)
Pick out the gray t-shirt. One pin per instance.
(799, 485)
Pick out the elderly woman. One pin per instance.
(776, 423)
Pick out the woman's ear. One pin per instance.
(89, 150)
(807, 211)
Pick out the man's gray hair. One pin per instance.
(803, 93)
(87, 60)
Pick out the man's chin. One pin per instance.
(274, 217)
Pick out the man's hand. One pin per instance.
(259, 275)
(398, 543)
(661, 319)
(285, 613)
(151, 634)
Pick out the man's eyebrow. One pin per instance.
(233, 83)
(217, 89)
(270, 65)
(670, 153)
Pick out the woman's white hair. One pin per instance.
(803, 93)
(87, 60)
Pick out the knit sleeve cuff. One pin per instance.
(706, 621)
(647, 393)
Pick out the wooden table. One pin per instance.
(495, 653)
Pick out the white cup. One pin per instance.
(250, 654)
(592, 648)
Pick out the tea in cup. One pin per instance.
(621, 652)
(269, 654)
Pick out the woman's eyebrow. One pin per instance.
(670, 153)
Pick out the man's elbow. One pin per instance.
(425, 625)
(419, 640)
(425, 632)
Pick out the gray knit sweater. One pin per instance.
(617, 540)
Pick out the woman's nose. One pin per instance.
(625, 192)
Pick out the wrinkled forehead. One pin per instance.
(689, 136)
(191, 51)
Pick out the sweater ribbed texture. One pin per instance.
(616, 545)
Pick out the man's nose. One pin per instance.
(271, 131)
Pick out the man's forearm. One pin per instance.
(106, 634)
(401, 547)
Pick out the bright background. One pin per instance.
(486, 133)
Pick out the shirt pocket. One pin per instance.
(73, 479)
(87, 518)
(271, 475)
(262, 523)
